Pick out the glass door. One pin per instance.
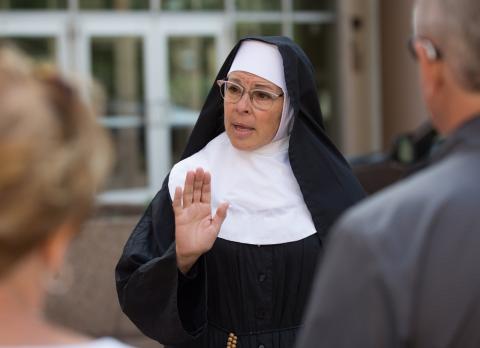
(149, 115)
(190, 57)
(192, 69)
(114, 55)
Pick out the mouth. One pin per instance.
(242, 130)
(242, 127)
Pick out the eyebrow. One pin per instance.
(256, 84)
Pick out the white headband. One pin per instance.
(261, 59)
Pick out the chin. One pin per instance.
(243, 145)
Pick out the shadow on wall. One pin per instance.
(90, 303)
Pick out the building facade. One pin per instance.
(154, 61)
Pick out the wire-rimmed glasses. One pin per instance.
(232, 93)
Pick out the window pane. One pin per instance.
(114, 4)
(306, 5)
(40, 49)
(33, 4)
(182, 5)
(192, 67)
(247, 29)
(179, 137)
(255, 5)
(318, 42)
(117, 63)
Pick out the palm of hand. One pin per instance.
(195, 229)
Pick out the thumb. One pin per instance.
(177, 199)
(220, 215)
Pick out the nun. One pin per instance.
(225, 254)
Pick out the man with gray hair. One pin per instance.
(403, 268)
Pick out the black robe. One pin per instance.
(256, 293)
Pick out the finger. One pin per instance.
(220, 215)
(188, 189)
(206, 188)
(177, 198)
(197, 185)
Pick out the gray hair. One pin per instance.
(455, 26)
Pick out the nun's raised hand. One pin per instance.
(195, 228)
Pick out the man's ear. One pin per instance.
(431, 71)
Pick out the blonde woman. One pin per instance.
(53, 156)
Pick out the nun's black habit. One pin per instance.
(256, 293)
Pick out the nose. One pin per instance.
(244, 105)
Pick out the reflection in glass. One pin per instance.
(114, 4)
(318, 42)
(192, 68)
(185, 5)
(255, 5)
(255, 28)
(179, 137)
(117, 63)
(317, 5)
(41, 49)
(33, 4)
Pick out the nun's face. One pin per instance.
(248, 127)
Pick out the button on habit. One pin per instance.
(262, 277)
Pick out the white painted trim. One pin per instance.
(136, 196)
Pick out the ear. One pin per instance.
(431, 71)
(55, 247)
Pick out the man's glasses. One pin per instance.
(433, 52)
(232, 93)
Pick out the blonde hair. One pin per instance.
(53, 155)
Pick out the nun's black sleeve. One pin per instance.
(164, 304)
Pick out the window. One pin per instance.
(117, 64)
(196, 5)
(255, 28)
(33, 4)
(114, 4)
(255, 5)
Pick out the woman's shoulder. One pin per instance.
(202, 158)
(210, 149)
(103, 342)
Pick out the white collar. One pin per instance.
(266, 205)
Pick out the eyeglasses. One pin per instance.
(433, 52)
(232, 93)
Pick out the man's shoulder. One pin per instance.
(440, 191)
(410, 191)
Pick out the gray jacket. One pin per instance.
(403, 268)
